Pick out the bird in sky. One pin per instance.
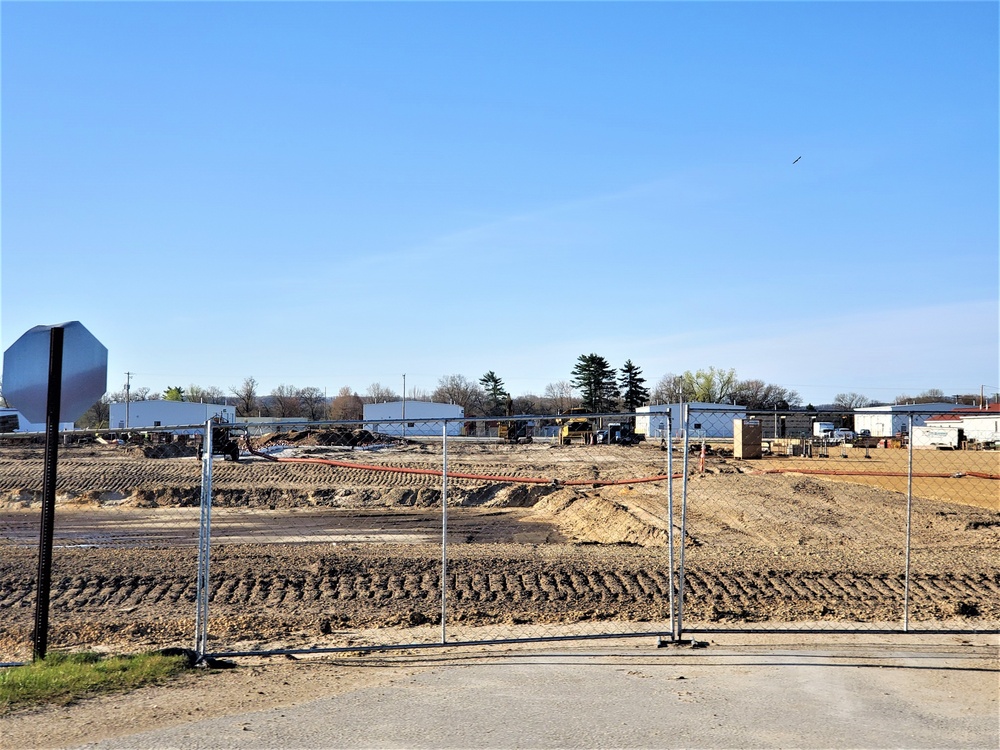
(796, 161)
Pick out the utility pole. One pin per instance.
(403, 415)
(128, 385)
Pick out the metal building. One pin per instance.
(161, 414)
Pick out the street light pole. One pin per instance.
(128, 384)
(403, 415)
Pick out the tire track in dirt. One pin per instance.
(575, 585)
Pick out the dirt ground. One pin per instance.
(348, 554)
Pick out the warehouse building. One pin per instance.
(160, 415)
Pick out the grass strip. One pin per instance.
(62, 678)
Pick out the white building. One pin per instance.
(887, 421)
(980, 425)
(415, 412)
(23, 425)
(162, 415)
(705, 420)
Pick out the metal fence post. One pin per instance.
(444, 533)
(204, 545)
(685, 419)
(670, 524)
(909, 516)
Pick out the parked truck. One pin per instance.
(823, 430)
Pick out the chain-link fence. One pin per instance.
(339, 535)
(124, 552)
(822, 520)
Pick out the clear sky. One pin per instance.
(330, 194)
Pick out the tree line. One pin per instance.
(594, 385)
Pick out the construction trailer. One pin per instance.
(892, 420)
(978, 426)
(707, 420)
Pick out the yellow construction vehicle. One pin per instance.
(571, 426)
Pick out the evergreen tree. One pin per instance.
(174, 393)
(596, 381)
(634, 393)
(496, 395)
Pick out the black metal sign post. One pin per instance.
(41, 639)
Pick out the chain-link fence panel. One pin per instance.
(955, 517)
(327, 536)
(337, 536)
(808, 520)
(571, 529)
(124, 551)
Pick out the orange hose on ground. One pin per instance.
(609, 482)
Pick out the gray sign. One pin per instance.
(26, 372)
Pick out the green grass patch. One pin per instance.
(61, 678)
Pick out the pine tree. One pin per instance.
(634, 393)
(174, 393)
(596, 381)
(496, 395)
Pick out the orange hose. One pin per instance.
(608, 482)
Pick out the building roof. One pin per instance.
(894, 408)
(956, 415)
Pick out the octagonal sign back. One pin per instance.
(26, 372)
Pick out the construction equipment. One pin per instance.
(515, 432)
(571, 426)
(223, 444)
(621, 434)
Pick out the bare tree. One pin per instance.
(312, 403)
(458, 389)
(97, 416)
(559, 396)
(209, 395)
(283, 401)
(135, 394)
(346, 405)
(668, 390)
(527, 403)
(246, 398)
(378, 393)
(756, 394)
(930, 396)
(851, 401)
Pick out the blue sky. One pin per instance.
(330, 194)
